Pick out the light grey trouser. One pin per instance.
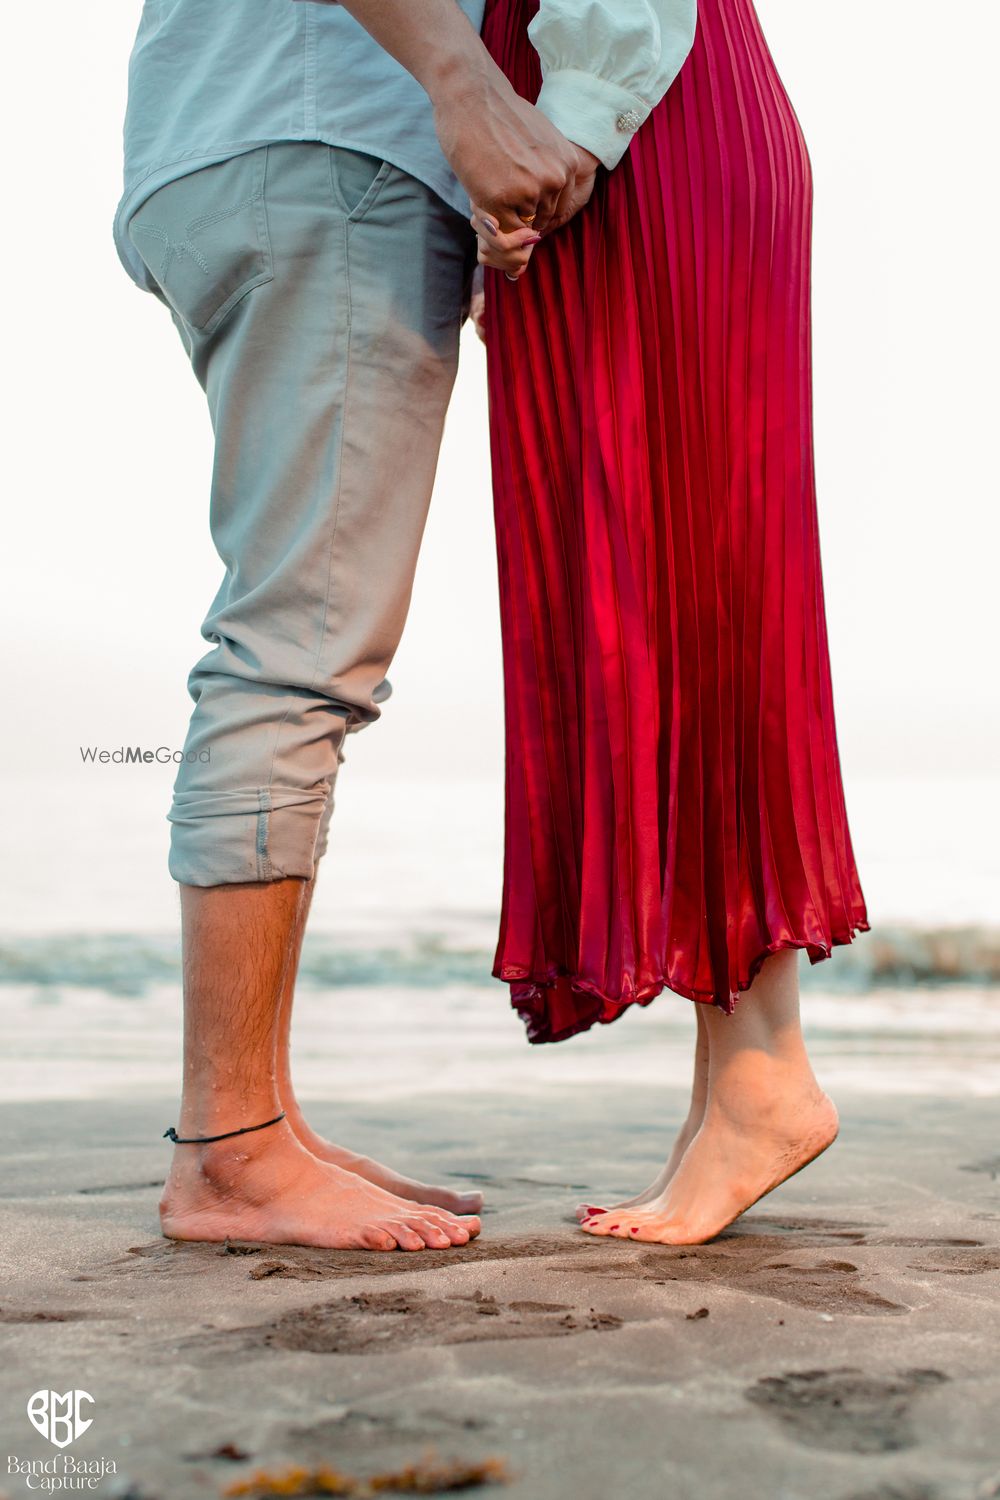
(319, 294)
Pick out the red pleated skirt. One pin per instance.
(674, 804)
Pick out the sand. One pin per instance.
(840, 1342)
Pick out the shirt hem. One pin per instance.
(136, 192)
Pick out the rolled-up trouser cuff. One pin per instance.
(252, 835)
(323, 832)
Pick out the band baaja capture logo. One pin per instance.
(60, 1418)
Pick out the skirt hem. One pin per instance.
(529, 993)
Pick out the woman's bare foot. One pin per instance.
(374, 1172)
(686, 1134)
(729, 1165)
(684, 1137)
(275, 1191)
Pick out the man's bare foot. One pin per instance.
(728, 1166)
(374, 1172)
(274, 1191)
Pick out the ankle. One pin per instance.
(772, 1105)
(697, 1108)
(762, 1074)
(223, 1167)
(292, 1107)
(206, 1111)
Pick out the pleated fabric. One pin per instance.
(674, 804)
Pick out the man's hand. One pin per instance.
(506, 154)
(509, 157)
(510, 250)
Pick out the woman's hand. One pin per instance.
(505, 250)
(577, 192)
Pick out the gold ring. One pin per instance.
(529, 220)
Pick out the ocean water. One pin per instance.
(401, 946)
(381, 1041)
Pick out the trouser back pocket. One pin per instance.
(204, 240)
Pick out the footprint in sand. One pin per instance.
(923, 1242)
(428, 1424)
(906, 1490)
(747, 1264)
(296, 1263)
(812, 1231)
(384, 1322)
(44, 1315)
(845, 1410)
(951, 1262)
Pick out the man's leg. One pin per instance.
(265, 1185)
(327, 383)
(372, 1171)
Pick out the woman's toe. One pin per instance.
(628, 1228)
(597, 1224)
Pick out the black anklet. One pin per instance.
(202, 1140)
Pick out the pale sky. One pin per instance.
(109, 565)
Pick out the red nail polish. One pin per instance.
(634, 1229)
(613, 1226)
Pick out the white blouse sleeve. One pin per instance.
(606, 63)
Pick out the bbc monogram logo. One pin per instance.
(59, 1417)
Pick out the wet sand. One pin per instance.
(840, 1342)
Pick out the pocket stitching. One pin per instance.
(371, 192)
(254, 200)
(266, 272)
(371, 196)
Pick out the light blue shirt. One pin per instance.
(209, 79)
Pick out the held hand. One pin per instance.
(509, 157)
(509, 250)
(576, 194)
